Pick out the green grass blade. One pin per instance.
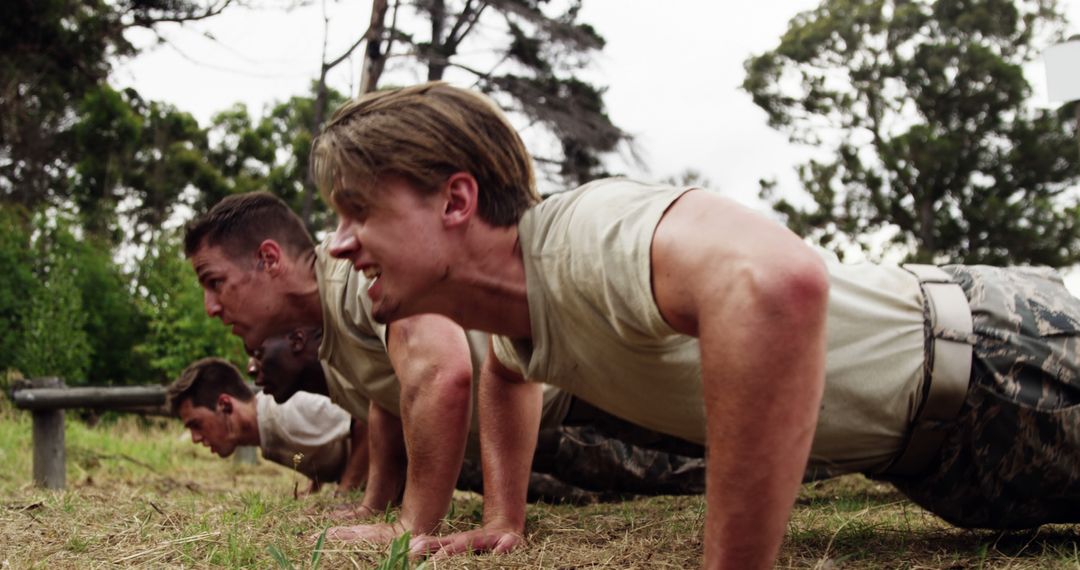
(280, 558)
(316, 555)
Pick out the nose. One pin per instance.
(210, 303)
(344, 242)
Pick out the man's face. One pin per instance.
(212, 428)
(398, 243)
(240, 293)
(277, 368)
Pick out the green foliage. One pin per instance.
(142, 153)
(179, 331)
(52, 52)
(270, 153)
(55, 56)
(923, 104)
(113, 323)
(54, 341)
(17, 281)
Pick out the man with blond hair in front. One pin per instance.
(684, 312)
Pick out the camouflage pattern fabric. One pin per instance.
(542, 487)
(1012, 459)
(595, 457)
(598, 462)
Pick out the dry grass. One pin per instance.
(141, 496)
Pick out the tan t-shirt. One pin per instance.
(597, 333)
(307, 433)
(354, 349)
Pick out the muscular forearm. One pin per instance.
(356, 465)
(436, 430)
(756, 296)
(762, 407)
(510, 420)
(386, 470)
(432, 360)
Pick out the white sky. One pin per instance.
(672, 69)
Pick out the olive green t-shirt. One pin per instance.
(598, 334)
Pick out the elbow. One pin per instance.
(807, 286)
(793, 291)
(456, 384)
(448, 386)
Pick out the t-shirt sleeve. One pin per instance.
(506, 354)
(312, 420)
(608, 254)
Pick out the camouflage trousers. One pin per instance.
(1012, 459)
(594, 456)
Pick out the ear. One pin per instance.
(225, 404)
(297, 341)
(462, 195)
(269, 257)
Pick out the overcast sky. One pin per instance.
(672, 69)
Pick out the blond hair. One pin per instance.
(424, 134)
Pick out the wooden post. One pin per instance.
(49, 468)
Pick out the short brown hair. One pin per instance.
(239, 223)
(425, 133)
(203, 381)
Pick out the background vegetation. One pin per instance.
(922, 104)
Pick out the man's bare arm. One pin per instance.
(356, 465)
(431, 358)
(385, 478)
(756, 297)
(509, 422)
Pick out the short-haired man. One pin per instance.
(307, 433)
(262, 275)
(684, 312)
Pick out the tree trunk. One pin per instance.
(374, 54)
(436, 55)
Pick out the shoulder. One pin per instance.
(596, 211)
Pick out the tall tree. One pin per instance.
(172, 301)
(54, 55)
(134, 160)
(270, 153)
(924, 106)
(525, 53)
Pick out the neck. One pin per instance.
(302, 296)
(247, 422)
(313, 379)
(487, 284)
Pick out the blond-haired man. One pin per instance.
(687, 313)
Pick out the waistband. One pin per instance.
(948, 370)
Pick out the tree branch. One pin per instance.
(146, 22)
